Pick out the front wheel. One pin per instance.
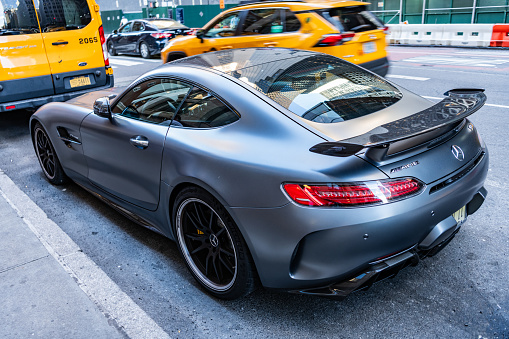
(144, 51)
(212, 246)
(47, 157)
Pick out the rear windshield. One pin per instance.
(61, 15)
(322, 88)
(17, 18)
(351, 19)
(166, 24)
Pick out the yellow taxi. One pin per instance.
(50, 50)
(345, 29)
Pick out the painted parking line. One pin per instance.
(456, 61)
(123, 62)
(407, 77)
(492, 105)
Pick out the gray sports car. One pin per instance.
(291, 169)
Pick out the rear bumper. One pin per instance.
(389, 267)
(379, 66)
(33, 103)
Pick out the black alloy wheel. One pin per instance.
(47, 157)
(212, 246)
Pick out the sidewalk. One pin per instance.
(39, 298)
(49, 288)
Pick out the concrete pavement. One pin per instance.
(49, 288)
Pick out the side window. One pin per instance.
(126, 28)
(292, 23)
(17, 17)
(61, 15)
(263, 21)
(154, 101)
(138, 26)
(203, 110)
(224, 27)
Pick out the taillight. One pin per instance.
(354, 194)
(161, 35)
(386, 29)
(106, 56)
(334, 39)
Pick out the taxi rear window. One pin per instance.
(61, 15)
(17, 18)
(351, 19)
(321, 88)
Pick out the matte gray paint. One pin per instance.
(244, 165)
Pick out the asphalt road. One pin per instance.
(463, 292)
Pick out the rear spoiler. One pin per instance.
(459, 104)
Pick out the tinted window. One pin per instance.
(321, 88)
(224, 26)
(355, 19)
(292, 24)
(138, 26)
(203, 110)
(262, 21)
(17, 17)
(155, 100)
(61, 15)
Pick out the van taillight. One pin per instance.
(104, 47)
(354, 194)
(334, 39)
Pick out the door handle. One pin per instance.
(139, 141)
(227, 47)
(60, 43)
(270, 44)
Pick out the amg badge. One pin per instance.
(400, 168)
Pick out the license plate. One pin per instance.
(80, 81)
(369, 47)
(460, 215)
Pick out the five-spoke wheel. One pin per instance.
(144, 51)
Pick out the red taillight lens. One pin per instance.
(354, 194)
(334, 39)
(161, 35)
(106, 56)
(386, 29)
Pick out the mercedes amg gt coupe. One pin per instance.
(291, 169)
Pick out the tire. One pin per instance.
(111, 49)
(212, 245)
(47, 157)
(144, 50)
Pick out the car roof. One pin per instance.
(298, 5)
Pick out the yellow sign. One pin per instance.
(80, 81)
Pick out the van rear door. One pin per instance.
(25, 70)
(70, 31)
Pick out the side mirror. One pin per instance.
(102, 107)
(199, 34)
(115, 31)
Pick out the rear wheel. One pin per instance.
(212, 246)
(111, 49)
(144, 51)
(47, 157)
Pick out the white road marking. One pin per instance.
(107, 295)
(123, 62)
(457, 61)
(492, 105)
(133, 59)
(406, 77)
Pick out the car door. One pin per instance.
(133, 37)
(124, 154)
(271, 27)
(120, 38)
(70, 31)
